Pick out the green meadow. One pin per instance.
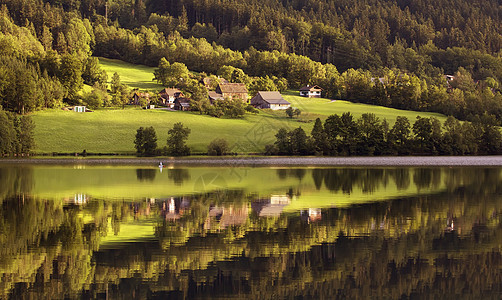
(113, 130)
(134, 76)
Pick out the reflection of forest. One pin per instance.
(216, 244)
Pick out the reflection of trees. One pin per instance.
(392, 249)
(369, 180)
(15, 181)
(297, 173)
(146, 174)
(178, 176)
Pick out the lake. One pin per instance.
(258, 232)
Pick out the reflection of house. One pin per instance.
(231, 90)
(173, 208)
(311, 215)
(227, 216)
(169, 95)
(182, 104)
(271, 207)
(381, 80)
(234, 216)
(272, 100)
(311, 91)
(78, 199)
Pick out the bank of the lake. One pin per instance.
(440, 161)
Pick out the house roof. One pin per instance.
(233, 88)
(170, 92)
(182, 101)
(215, 96)
(311, 88)
(271, 97)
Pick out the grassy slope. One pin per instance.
(112, 131)
(135, 76)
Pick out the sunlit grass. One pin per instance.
(113, 130)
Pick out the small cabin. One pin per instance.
(182, 104)
(233, 90)
(272, 100)
(311, 91)
(169, 95)
(80, 108)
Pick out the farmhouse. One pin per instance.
(168, 95)
(137, 95)
(311, 91)
(182, 104)
(231, 90)
(272, 100)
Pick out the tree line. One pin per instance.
(345, 135)
(16, 134)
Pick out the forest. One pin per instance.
(390, 53)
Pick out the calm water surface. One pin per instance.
(119, 232)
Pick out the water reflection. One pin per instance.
(275, 234)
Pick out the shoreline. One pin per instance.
(286, 161)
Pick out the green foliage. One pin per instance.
(218, 147)
(231, 108)
(368, 135)
(96, 98)
(93, 73)
(70, 75)
(120, 93)
(176, 142)
(290, 112)
(171, 75)
(16, 134)
(145, 141)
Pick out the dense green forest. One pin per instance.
(391, 53)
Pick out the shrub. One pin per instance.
(218, 147)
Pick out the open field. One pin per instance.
(325, 107)
(113, 130)
(134, 76)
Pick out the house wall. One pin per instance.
(242, 96)
(310, 94)
(279, 106)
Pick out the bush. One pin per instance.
(218, 147)
(252, 109)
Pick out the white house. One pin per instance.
(79, 108)
(311, 91)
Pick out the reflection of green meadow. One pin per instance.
(118, 183)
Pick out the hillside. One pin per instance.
(112, 131)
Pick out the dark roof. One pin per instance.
(311, 88)
(215, 96)
(233, 88)
(170, 92)
(273, 97)
(182, 101)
